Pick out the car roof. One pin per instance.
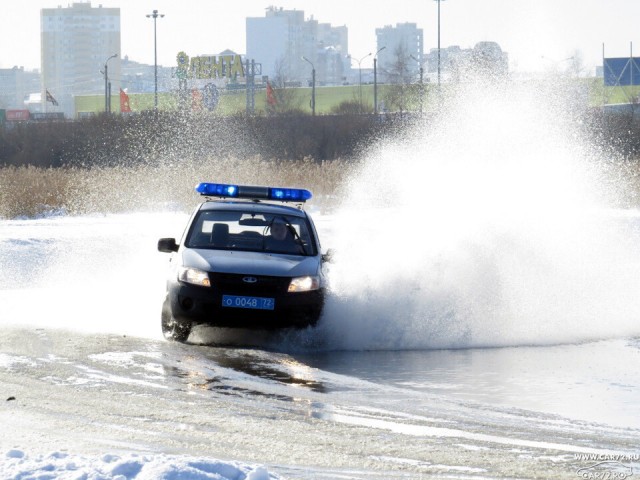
(250, 206)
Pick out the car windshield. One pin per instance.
(251, 231)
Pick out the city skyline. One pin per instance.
(537, 35)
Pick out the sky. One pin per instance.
(538, 35)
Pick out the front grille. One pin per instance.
(264, 285)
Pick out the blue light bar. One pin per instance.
(289, 194)
(217, 190)
(253, 192)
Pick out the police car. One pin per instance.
(249, 258)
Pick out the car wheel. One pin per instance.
(171, 329)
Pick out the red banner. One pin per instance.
(271, 98)
(124, 102)
(196, 99)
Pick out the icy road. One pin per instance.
(303, 416)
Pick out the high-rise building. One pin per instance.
(403, 45)
(279, 41)
(77, 43)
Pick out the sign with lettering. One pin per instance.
(17, 115)
(209, 66)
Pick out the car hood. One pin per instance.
(250, 263)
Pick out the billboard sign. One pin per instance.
(621, 71)
(17, 115)
(209, 67)
(44, 116)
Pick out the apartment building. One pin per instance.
(400, 45)
(282, 39)
(77, 43)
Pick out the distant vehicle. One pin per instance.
(246, 260)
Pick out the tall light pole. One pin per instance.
(107, 99)
(155, 15)
(313, 86)
(421, 82)
(360, 77)
(375, 81)
(438, 41)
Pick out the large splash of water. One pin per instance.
(487, 228)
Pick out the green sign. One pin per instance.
(208, 67)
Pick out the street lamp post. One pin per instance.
(421, 82)
(107, 99)
(375, 81)
(155, 15)
(313, 86)
(438, 41)
(360, 78)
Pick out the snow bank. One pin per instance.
(17, 464)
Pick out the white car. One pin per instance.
(247, 259)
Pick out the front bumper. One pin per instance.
(195, 305)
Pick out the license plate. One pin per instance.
(258, 303)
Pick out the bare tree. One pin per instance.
(285, 98)
(402, 91)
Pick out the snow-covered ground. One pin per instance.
(18, 464)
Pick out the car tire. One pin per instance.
(171, 329)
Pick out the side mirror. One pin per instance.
(167, 245)
(328, 257)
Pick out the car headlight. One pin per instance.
(304, 284)
(194, 276)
